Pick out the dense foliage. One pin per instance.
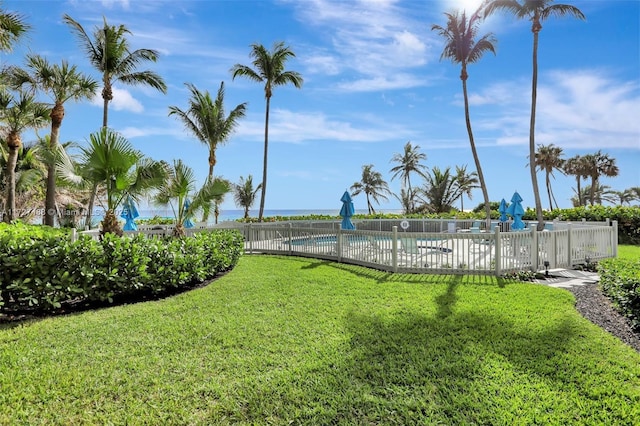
(45, 271)
(620, 281)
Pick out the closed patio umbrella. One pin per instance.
(516, 211)
(347, 211)
(188, 223)
(129, 213)
(503, 211)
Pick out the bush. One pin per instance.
(43, 270)
(620, 281)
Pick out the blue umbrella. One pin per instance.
(516, 211)
(503, 211)
(129, 213)
(188, 223)
(347, 211)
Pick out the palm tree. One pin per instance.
(372, 185)
(465, 183)
(111, 161)
(17, 115)
(63, 83)
(549, 158)
(598, 165)
(245, 194)
(29, 175)
(409, 162)
(109, 53)
(622, 197)
(536, 11)
(462, 48)
(577, 166)
(12, 28)
(407, 200)
(179, 192)
(440, 190)
(206, 119)
(268, 68)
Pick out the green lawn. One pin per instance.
(303, 341)
(629, 252)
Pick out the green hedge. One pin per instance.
(620, 281)
(42, 270)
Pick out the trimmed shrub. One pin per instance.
(42, 269)
(620, 282)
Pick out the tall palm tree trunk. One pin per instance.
(548, 183)
(476, 159)
(57, 114)
(532, 126)
(578, 179)
(12, 160)
(264, 161)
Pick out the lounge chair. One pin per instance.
(413, 255)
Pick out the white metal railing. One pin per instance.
(457, 252)
(427, 245)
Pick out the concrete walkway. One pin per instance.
(565, 278)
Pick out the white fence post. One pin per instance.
(496, 235)
(569, 245)
(74, 235)
(394, 249)
(614, 238)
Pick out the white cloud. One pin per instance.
(575, 109)
(298, 127)
(122, 100)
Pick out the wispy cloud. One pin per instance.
(575, 109)
(122, 101)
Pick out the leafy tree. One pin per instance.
(462, 48)
(62, 83)
(179, 191)
(440, 190)
(111, 161)
(245, 194)
(29, 174)
(18, 114)
(465, 183)
(268, 68)
(206, 119)
(407, 199)
(578, 167)
(409, 162)
(549, 158)
(373, 185)
(597, 165)
(109, 53)
(536, 11)
(12, 28)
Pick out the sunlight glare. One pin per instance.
(468, 5)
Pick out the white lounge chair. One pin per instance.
(412, 254)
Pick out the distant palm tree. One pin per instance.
(621, 197)
(407, 200)
(109, 53)
(18, 114)
(29, 175)
(549, 158)
(409, 162)
(578, 167)
(462, 48)
(206, 119)
(12, 28)
(63, 83)
(440, 190)
(245, 194)
(268, 68)
(635, 191)
(465, 183)
(536, 11)
(598, 165)
(373, 185)
(180, 187)
(111, 161)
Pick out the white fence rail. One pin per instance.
(427, 246)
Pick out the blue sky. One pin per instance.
(373, 80)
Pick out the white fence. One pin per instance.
(427, 245)
(459, 249)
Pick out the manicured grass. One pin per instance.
(629, 252)
(304, 341)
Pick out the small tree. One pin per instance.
(245, 194)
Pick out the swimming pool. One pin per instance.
(327, 240)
